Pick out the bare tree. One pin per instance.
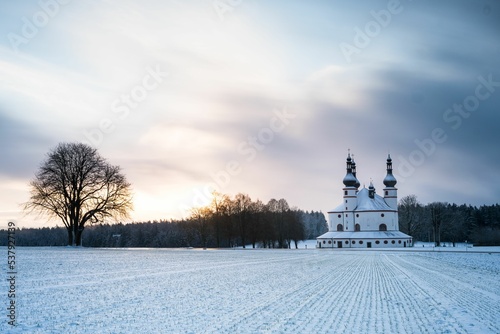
(201, 218)
(220, 207)
(410, 215)
(78, 186)
(296, 231)
(437, 213)
(256, 226)
(241, 209)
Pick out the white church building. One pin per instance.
(365, 219)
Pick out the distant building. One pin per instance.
(365, 219)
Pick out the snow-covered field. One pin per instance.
(68, 290)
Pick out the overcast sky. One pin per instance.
(253, 96)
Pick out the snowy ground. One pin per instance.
(67, 290)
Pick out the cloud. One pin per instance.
(226, 79)
(22, 147)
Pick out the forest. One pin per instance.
(440, 221)
(242, 222)
(226, 222)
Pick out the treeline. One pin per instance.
(437, 222)
(240, 221)
(225, 222)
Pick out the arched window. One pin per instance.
(357, 228)
(340, 227)
(382, 227)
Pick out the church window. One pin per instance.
(357, 228)
(345, 192)
(377, 242)
(346, 201)
(399, 241)
(361, 242)
(329, 242)
(354, 242)
(339, 216)
(323, 241)
(346, 213)
(386, 193)
(393, 242)
(385, 242)
(357, 214)
(340, 227)
(382, 215)
(382, 227)
(346, 242)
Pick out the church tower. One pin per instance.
(390, 191)
(350, 199)
(353, 166)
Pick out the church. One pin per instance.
(365, 219)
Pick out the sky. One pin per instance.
(251, 96)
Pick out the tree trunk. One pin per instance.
(437, 235)
(78, 237)
(70, 237)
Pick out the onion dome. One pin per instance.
(389, 180)
(349, 179)
(353, 165)
(371, 190)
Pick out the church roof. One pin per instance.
(365, 203)
(365, 235)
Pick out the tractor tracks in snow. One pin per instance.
(457, 297)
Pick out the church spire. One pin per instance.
(390, 191)
(353, 166)
(349, 179)
(371, 190)
(390, 180)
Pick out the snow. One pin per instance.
(365, 203)
(365, 235)
(69, 290)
